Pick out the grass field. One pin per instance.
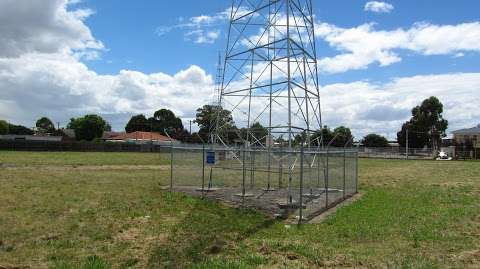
(107, 210)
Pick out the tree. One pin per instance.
(88, 128)
(164, 120)
(426, 127)
(417, 137)
(300, 138)
(108, 127)
(209, 116)
(343, 137)
(256, 130)
(45, 125)
(19, 130)
(375, 141)
(138, 123)
(322, 137)
(4, 127)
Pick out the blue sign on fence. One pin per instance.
(211, 157)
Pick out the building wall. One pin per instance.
(461, 139)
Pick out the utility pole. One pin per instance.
(190, 121)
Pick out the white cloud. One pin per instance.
(43, 26)
(203, 37)
(363, 45)
(203, 29)
(41, 72)
(369, 107)
(60, 87)
(378, 7)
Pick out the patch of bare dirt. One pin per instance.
(469, 257)
(14, 267)
(140, 240)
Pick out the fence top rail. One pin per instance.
(273, 150)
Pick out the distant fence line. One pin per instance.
(416, 154)
(82, 146)
(396, 153)
(77, 146)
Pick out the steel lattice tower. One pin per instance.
(270, 73)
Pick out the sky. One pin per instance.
(377, 59)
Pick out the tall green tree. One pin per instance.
(88, 128)
(19, 130)
(108, 127)
(300, 138)
(4, 127)
(427, 126)
(375, 141)
(138, 123)
(260, 132)
(45, 125)
(343, 136)
(165, 120)
(257, 130)
(208, 116)
(322, 137)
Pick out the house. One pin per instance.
(70, 135)
(467, 142)
(469, 137)
(108, 135)
(142, 138)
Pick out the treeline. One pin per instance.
(87, 128)
(426, 127)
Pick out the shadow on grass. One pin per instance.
(207, 229)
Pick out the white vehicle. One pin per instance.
(442, 156)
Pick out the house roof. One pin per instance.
(108, 135)
(469, 131)
(141, 136)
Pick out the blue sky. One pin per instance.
(378, 59)
(129, 31)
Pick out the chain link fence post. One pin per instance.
(344, 171)
(244, 173)
(301, 185)
(203, 170)
(171, 166)
(356, 172)
(252, 169)
(327, 177)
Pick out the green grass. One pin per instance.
(413, 214)
(81, 158)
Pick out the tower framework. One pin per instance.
(270, 73)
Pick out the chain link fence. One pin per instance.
(279, 182)
(398, 153)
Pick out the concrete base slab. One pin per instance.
(246, 195)
(293, 205)
(207, 190)
(269, 189)
(312, 195)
